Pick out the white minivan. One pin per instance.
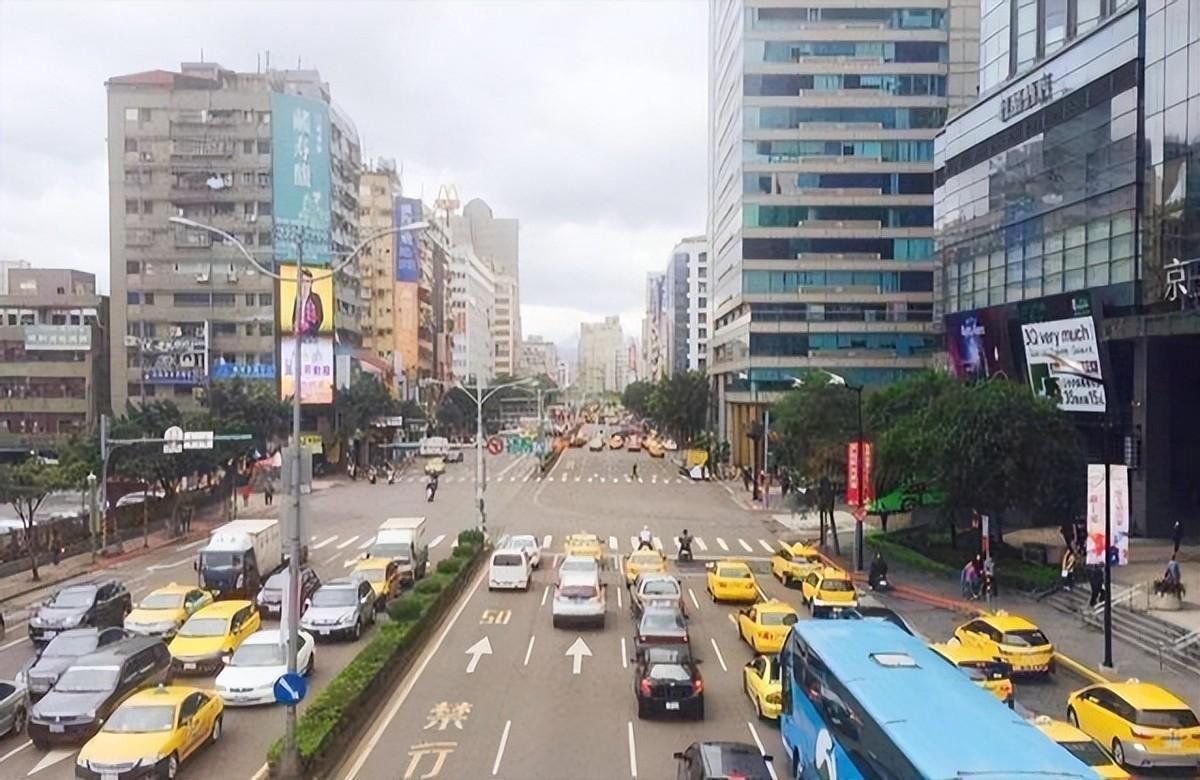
(510, 570)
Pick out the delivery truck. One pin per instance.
(403, 540)
(240, 556)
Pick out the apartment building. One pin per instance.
(538, 357)
(655, 329)
(497, 240)
(687, 311)
(472, 296)
(54, 366)
(603, 357)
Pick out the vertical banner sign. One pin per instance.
(1118, 512)
(316, 375)
(868, 486)
(408, 268)
(1048, 345)
(300, 178)
(853, 483)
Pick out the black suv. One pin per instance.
(98, 604)
(720, 760)
(270, 598)
(91, 688)
(667, 682)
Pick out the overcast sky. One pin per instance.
(585, 120)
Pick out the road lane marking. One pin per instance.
(500, 750)
(525, 478)
(437, 540)
(50, 759)
(557, 559)
(172, 565)
(612, 544)
(15, 750)
(700, 543)
(398, 701)
(762, 596)
(766, 546)
(633, 542)
(331, 559)
(325, 542)
(624, 655)
(510, 467)
(577, 651)
(181, 548)
(589, 479)
(759, 744)
(529, 650)
(476, 651)
(370, 541)
(350, 563)
(745, 546)
(720, 657)
(695, 603)
(546, 593)
(653, 478)
(658, 545)
(577, 478)
(546, 542)
(722, 545)
(603, 479)
(14, 643)
(619, 605)
(632, 751)
(348, 542)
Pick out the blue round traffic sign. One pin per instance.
(290, 688)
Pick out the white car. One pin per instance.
(529, 544)
(249, 677)
(579, 599)
(510, 570)
(578, 563)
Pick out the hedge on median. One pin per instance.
(341, 706)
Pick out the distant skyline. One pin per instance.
(597, 145)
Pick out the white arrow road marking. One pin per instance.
(720, 657)
(612, 543)
(476, 651)
(546, 542)
(766, 545)
(721, 543)
(745, 546)
(695, 603)
(632, 752)
(529, 650)
(161, 566)
(50, 759)
(758, 743)
(437, 540)
(577, 651)
(324, 542)
(348, 542)
(500, 750)
(700, 543)
(367, 543)
(624, 655)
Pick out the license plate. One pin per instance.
(672, 705)
(324, 632)
(108, 776)
(189, 667)
(1173, 742)
(57, 728)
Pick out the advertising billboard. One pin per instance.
(859, 488)
(1063, 360)
(317, 304)
(179, 357)
(316, 364)
(404, 245)
(300, 177)
(1118, 513)
(978, 343)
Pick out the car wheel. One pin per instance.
(357, 630)
(171, 768)
(40, 743)
(712, 595)
(797, 767)
(554, 622)
(786, 579)
(19, 719)
(1072, 718)
(1118, 752)
(215, 735)
(907, 505)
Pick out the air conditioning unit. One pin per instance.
(202, 278)
(131, 341)
(252, 218)
(232, 276)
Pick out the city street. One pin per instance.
(344, 518)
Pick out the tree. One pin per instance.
(894, 416)
(455, 413)
(25, 486)
(239, 406)
(359, 404)
(679, 404)
(636, 398)
(812, 424)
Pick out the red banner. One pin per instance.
(859, 489)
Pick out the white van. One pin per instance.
(579, 598)
(510, 570)
(434, 447)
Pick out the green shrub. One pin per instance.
(464, 551)
(408, 607)
(450, 565)
(471, 536)
(432, 584)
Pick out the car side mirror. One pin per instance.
(307, 603)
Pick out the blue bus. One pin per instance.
(863, 700)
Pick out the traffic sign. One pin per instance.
(860, 513)
(495, 445)
(198, 440)
(290, 688)
(174, 440)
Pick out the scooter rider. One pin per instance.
(645, 539)
(431, 487)
(685, 545)
(878, 572)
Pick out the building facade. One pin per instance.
(603, 356)
(539, 357)
(472, 294)
(688, 313)
(655, 329)
(5, 266)
(498, 241)
(53, 355)
(821, 123)
(1052, 224)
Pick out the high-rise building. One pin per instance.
(263, 156)
(538, 357)
(654, 329)
(1069, 230)
(472, 295)
(53, 355)
(821, 122)
(687, 306)
(563, 376)
(378, 189)
(5, 266)
(603, 357)
(497, 240)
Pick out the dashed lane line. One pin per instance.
(766, 545)
(500, 749)
(619, 604)
(437, 540)
(546, 542)
(758, 743)
(13, 643)
(720, 658)
(722, 545)
(348, 542)
(700, 543)
(624, 655)
(545, 595)
(367, 543)
(529, 650)
(15, 750)
(325, 542)
(745, 546)
(632, 751)
(612, 543)
(695, 603)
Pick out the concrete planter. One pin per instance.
(1166, 602)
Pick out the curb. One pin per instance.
(1081, 669)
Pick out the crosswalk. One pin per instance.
(671, 545)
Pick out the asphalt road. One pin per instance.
(344, 518)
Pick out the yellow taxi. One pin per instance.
(761, 681)
(1012, 639)
(163, 611)
(156, 728)
(1143, 724)
(435, 467)
(828, 587)
(793, 562)
(731, 580)
(765, 625)
(1081, 746)
(212, 633)
(585, 544)
(384, 576)
(986, 671)
(643, 562)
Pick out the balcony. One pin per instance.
(203, 147)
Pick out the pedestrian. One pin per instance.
(1096, 579)
(969, 580)
(268, 492)
(1172, 574)
(785, 484)
(55, 546)
(246, 492)
(1068, 533)
(1068, 568)
(1177, 534)
(645, 540)
(746, 478)
(635, 476)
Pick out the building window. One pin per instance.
(264, 238)
(131, 114)
(266, 299)
(191, 299)
(224, 299)
(249, 300)
(264, 207)
(133, 267)
(248, 178)
(147, 207)
(264, 146)
(265, 328)
(131, 145)
(703, 302)
(131, 207)
(703, 317)
(133, 298)
(148, 298)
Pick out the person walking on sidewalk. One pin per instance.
(1172, 575)
(970, 581)
(1068, 568)
(268, 492)
(1096, 579)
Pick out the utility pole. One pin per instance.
(290, 757)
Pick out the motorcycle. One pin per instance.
(880, 584)
(685, 552)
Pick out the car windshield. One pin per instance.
(141, 719)
(1088, 752)
(335, 597)
(87, 679)
(777, 618)
(393, 550)
(74, 598)
(661, 620)
(836, 585)
(585, 541)
(277, 581)
(733, 573)
(220, 559)
(205, 626)
(1025, 638)
(669, 655)
(661, 588)
(506, 559)
(162, 601)
(672, 672)
(1167, 719)
(71, 646)
(773, 669)
(260, 654)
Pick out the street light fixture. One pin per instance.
(290, 758)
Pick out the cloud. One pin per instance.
(584, 120)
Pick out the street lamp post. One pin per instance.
(290, 757)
